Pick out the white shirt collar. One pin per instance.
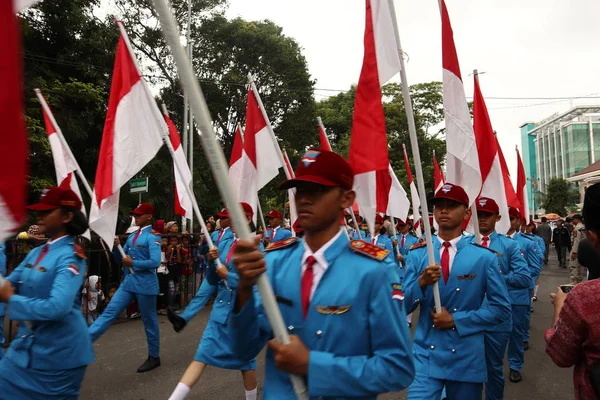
(319, 255)
(56, 240)
(147, 226)
(453, 242)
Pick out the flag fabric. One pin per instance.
(183, 181)
(461, 160)
(21, 5)
(511, 196)
(414, 195)
(259, 145)
(132, 136)
(291, 192)
(64, 165)
(242, 172)
(489, 159)
(398, 204)
(438, 182)
(14, 149)
(368, 153)
(522, 189)
(324, 140)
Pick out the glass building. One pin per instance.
(559, 147)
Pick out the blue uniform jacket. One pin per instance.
(457, 354)
(355, 330)
(541, 246)
(3, 273)
(280, 234)
(514, 271)
(55, 336)
(146, 259)
(409, 241)
(227, 235)
(531, 252)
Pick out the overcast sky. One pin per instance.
(527, 48)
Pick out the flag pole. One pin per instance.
(216, 158)
(260, 214)
(412, 129)
(65, 145)
(419, 235)
(474, 205)
(290, 192)
(320, 122)
(268, 121)
(356, 224)
(394, 232)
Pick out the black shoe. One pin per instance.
(177, 322)
(525, 345)
(150, 364)
(515, 376)
(534, 298)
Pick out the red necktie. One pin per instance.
(307, 281)
(220, 235)
(402, 243)
(231, 249)
(446, 261)
(137, 234)
(272, 234)
(374, 240)
(42, 254)
(485, 241)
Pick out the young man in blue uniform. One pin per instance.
(381, 239)
(215, 346)
(342, 308)
(516, 275)
(529, 228)
(449, 346)
(142, 251)
(225, 232)
(518, 341)
(276, 233)
(405, 240)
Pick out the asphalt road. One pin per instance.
(123, 349)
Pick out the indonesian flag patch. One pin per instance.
(74, 269)
(397, 293)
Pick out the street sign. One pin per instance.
(138, 185)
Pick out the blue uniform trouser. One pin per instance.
(516, 353)
(427, 388)
(119, 302)
(495, 348)
(528, 316)
(1, 336)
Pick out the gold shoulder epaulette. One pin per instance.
(418, 245)
(282, 244)
(368, 250)
(79, 251)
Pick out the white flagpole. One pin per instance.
(291, 193)
(216, 158)
(260, 214)
(269, 126)
(412, 129)
(474, 217)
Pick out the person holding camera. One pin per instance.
(574, 338)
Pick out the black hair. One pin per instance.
(113, 286)
(544, 219)
(78, 224)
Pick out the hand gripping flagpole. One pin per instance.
(65, 146)
(416, 154)
(216, 158)
(181, 170)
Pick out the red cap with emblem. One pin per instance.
(274, 214)
(56, 197)
(487, 205)
(513, 212)
(224, 213)
(324, 168)
(142, 209)
(452, 192)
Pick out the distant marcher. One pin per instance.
(574, 339)
(577, 272)
(561, 237)
(545, 232)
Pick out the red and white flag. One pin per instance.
(323, 139)
(522, 189)
(511, 196)
(398, 204)
(132, 136)
(414, 195)
(183, 182)
(438, 176)
(462, 164)
(368, 153)
(242, 172)
(14, 150)
(489, 159)
(64, 165)
(259, 145)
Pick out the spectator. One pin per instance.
(569, 224)
(92, 296)
(173, 256)
(210, 226)
(577, 273)
(172, 228)
(545, 232)
(186, 269)
(562, 242)
(163, 279)
(574, 339)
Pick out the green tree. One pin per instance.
(558, 196)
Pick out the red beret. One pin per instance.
(452, 192)
(224, 213)
(488, 205)
(274, 214)
(247, 209)
(324, 168)
(159, 226)
(378, 219)
(143, 208)
(514, 212)
(56, 197)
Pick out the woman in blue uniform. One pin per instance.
(215, 345)
(48, 358)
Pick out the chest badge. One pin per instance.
(328, 310)
(41, 269)
(467, 277)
